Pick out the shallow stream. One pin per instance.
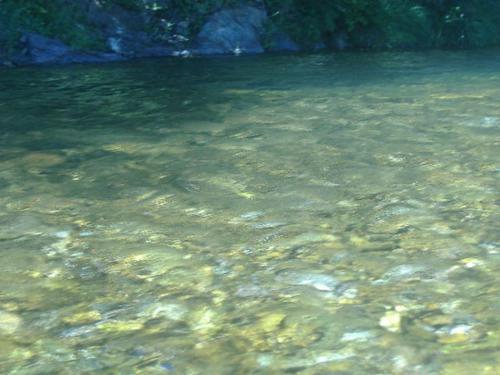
(309, 214)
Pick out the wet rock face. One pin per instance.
(282, 42)
(39, 49)
(129, 33)
(43, 50)
(123, 30)
(236, 30)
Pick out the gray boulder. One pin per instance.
(281, 42)
(42, 50)
(125, 31)
(236, 30)
(38, 49)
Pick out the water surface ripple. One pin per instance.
(309, 214)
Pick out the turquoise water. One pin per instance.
(309, 214)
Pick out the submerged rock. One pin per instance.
(269, 225)
(252, 215)
(402, 273)
(457, 334)
(358, 336)
(391, 321)
(82, 318)
(204, 321)
(9, 322)
(271, 322)
(169, 311)
(39, 49)
(320, 282)
(302, 360)
(42, 159)
(246, 291)
(310, 238)
(112, 326)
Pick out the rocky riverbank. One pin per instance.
(79, 31)
(131, 34)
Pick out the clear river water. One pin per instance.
(302, 214)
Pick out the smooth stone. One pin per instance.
(271, 322)
(269, 225)
(63, 234)
(9, 322)
(391, 321)
(246, 291)
(320, 282)
(121, 326)
(252, 215)
(204, 320)
(314, 359)
(309, 238)
(468, 367)
(79, 331)
(458, 334)
(460, 329)
(42, 159)
(400, 273)
(82, 318)
(169, 311)
(438, 320)
(454, 339)
(360, 336)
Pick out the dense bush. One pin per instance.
(57, 18)
(193, 12)
(390, 23)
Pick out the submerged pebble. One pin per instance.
(9, 322)
(252, 215)
(82, 318)
(120, 326)
(391, 321)
(63, 234)
(359, 336)
(320, 282)
(269, 225)
(169, 311)
(271, 322)
(304, 360)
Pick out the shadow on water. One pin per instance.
(165, 92)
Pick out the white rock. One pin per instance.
(391, 321)
(9, 322)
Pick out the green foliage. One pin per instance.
(364, 23)
(125, 4)
(306, 24)
(53, 18)
(194, 12)
(481, 25)
(310, 23)
(390, 23)
(404, 24)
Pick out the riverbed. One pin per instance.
(303, 214)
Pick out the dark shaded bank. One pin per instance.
(81, 31)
